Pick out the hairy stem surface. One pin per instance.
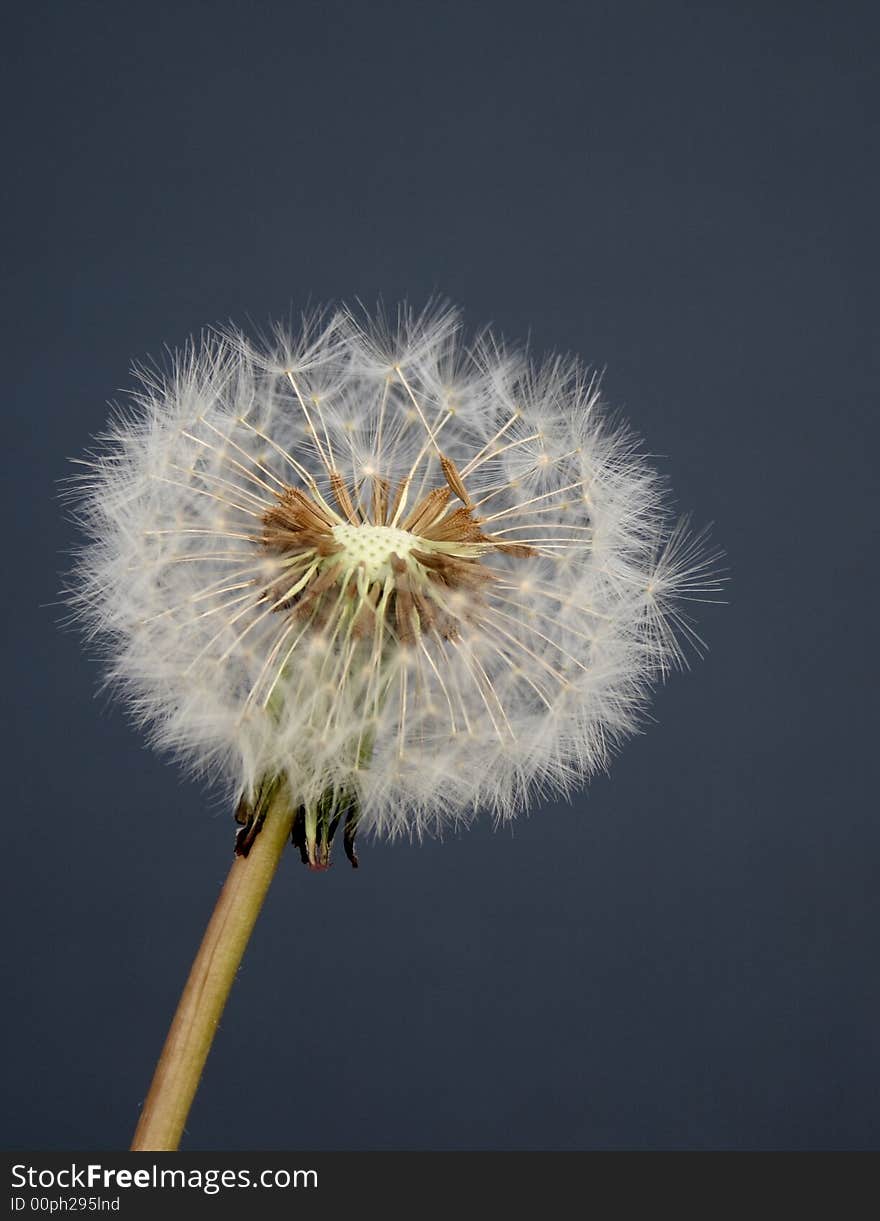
(201, 1006)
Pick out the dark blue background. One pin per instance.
(686, 194)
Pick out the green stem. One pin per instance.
(201, 1006)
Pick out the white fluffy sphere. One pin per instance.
(404, 575)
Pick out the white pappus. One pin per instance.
(407, 577)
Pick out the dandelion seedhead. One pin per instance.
(405, 578)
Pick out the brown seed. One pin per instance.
(426, 511)
(426, 612)
(457, 526)
(520, 550)
(403, 612)
(454, 480)
(319, 586)
(398, 495)
(343, 499)
(380, 500)
(363, 621)
(303, 505)
(453, 569)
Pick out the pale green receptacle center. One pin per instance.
(373, 547)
